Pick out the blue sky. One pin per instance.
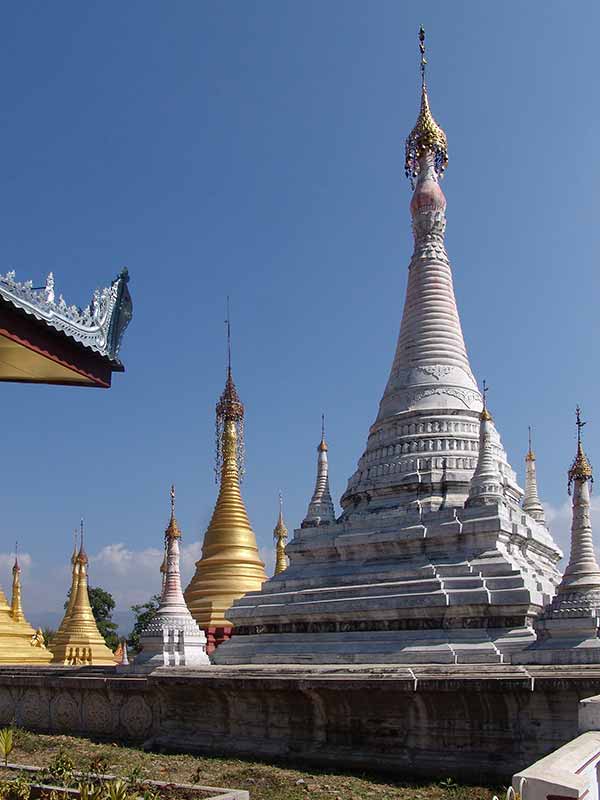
(256, 149)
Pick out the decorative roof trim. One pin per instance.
(100, 326)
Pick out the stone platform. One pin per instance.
(447, 587)
(472, 722)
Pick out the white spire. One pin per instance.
(320, 509)
(423, 444)
(486, 485)
(172, 638)
(532, 504)
(582, 574)
(430, 349)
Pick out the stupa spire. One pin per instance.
(426, 138)
(320, 509)
(74, 580)
(78, 640)
(16, 609)
(19, 642)
(582, 573)
(172, 637)
(422, 448)
(532, 504)
(230, 564)
(280, 535)
(486, 484)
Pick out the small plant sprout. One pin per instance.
(6, 743)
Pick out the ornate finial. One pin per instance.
(426, 137)
(16, 567)
(230, 409)
(280, 535)
(581, 469)
(530, 454)
(322, 448)
(228, 323)
(172, 531)
(82, 555)
(422, 51)
(485, 414)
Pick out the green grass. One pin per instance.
(264, 781)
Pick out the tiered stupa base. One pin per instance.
(16, 646)
(454, 586)
(83, 654)
(171, 641)
(567, 633)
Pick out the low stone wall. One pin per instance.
(469, 722)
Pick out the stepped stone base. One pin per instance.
(484, 646)
(564, 641)
(450, 586)
(477, 723)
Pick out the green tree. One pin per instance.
(144, 613)
(49, 634)
(103, 604)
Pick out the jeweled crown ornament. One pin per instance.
(581, 469)
(229, 409)
(426, 136)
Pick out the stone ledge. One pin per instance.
(469, 721)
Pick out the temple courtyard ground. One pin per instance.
(264, 781)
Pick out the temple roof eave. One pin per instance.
(99, 327)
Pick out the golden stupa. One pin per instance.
(78, 640)
(19, 642)
(280, 535)
(230, 565)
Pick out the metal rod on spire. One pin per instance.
(322, 427)
(172, 500)
(529, 432)
(81, 532)
(579, 424)
(228, 323)
(422, 51)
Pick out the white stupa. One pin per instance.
(173, 638)
(568, 629)
(433, 560)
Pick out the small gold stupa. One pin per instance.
(19, 643)
(230, 564)
(280, 535)
(78, 640)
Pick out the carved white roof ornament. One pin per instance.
(100, 326)
(532, 504)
